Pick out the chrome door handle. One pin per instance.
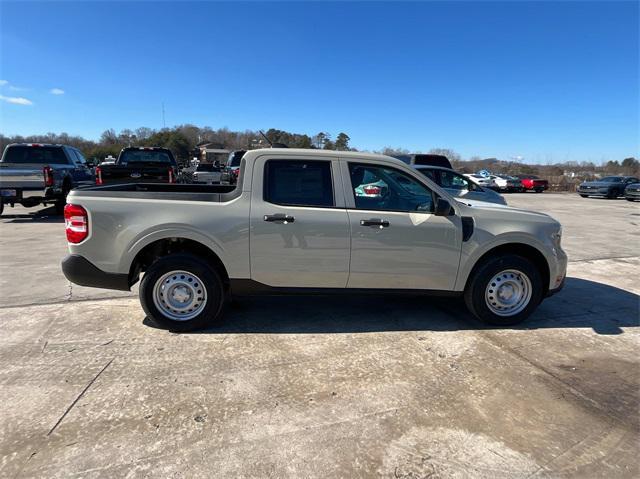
(279, 218)
(375, 223)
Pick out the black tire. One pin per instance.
(1, 207)
(215, 294)
(612, 194)
(62, 202)
(538, 190)
(584, 196)
(628, 199)
(474, 294)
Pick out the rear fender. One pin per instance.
(173, 231)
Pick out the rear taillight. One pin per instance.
(98, 175)
(48, 176)
(76, 223)
(171, 179)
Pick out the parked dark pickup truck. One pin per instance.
(139, 164)
(36, 173)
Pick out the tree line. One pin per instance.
(183, 139)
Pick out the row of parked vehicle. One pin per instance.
(33, 174)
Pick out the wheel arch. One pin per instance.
(527, 251)
(172, 245)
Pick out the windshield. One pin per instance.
(145, 156)
(235, 161)
(34, 154)
(612, 179)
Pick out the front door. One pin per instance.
(396, 240)
(299, 225)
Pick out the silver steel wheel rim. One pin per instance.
(179, 295)
(508, 292)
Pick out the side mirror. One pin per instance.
(443, 207)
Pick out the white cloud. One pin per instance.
(56, 91)
(3, 82)
(16, 100)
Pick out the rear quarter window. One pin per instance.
(35, 154)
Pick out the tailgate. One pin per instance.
(132, 174)
(15, 175)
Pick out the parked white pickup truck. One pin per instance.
(309, 221)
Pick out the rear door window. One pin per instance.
(35, 154)
(298, 183)
(145, 156)
(207, 167)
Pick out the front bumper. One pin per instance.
(557, 289)
(594, 191)
(632, 195)
(79, 270)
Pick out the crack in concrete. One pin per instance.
(64, 301)
(75, 401)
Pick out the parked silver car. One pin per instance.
(460, 186)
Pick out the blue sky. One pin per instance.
(549, 81)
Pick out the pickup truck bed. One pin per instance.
(163, 191)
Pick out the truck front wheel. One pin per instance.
(504, 290)
(181, 292)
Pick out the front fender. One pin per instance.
(474, 251)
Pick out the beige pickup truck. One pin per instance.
(309, 221)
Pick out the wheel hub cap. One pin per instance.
(508, 293)
(179, 295)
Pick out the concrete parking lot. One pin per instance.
(321, 387)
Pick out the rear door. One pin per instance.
(396, 241)
(299, 227)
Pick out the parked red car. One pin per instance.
(533, 183)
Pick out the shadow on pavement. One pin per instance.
(581, 304)
(46, 215)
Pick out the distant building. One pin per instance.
(209, 152)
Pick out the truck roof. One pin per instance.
(252, 154)
(36, 144)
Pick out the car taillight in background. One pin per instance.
(48, 176)
(76, 223)
(171, 176)
(98, 175)
(372, 190)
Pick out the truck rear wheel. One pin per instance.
(181, 292)
(504, 290)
